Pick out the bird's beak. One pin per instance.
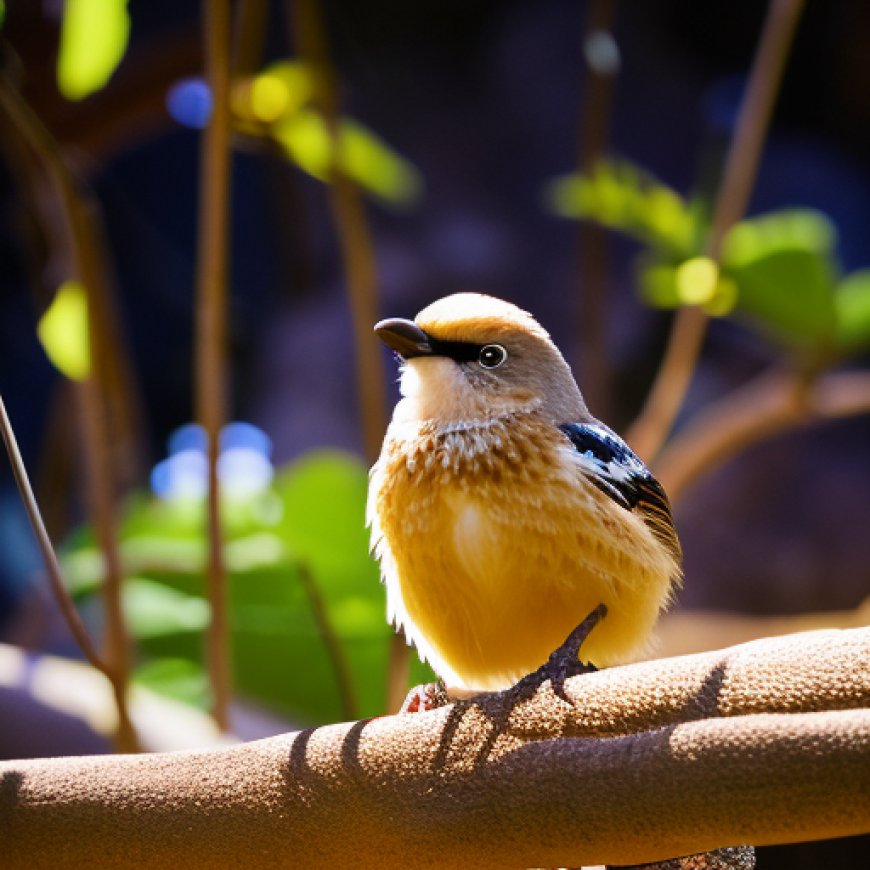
(404, 337)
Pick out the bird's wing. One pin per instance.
(612, 466)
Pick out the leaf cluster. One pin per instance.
(311, 520)
(777, 272)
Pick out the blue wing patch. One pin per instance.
(617, 471)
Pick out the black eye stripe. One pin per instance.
(460, 351)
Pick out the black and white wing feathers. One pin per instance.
(612, 466)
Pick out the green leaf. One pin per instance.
(93, 39)
(696, 281)
(63, 331)
(279, 655)
(280, 90)
(305, 140)
(365, 158)
(178, 678)
(852, 303)
(154, 610)
(657, 283)
(375, 166)
(785, 272)
(623, 197)
(797, 229)
(323, 524)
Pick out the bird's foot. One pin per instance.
(564, 662)
(428, 696)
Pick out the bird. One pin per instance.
(501, 511)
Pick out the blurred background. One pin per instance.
(459, 118)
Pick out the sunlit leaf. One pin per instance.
(2, 12)
(623, 197)
(724, 298)
(280, 657)
(324, 494)
(324, 526)
(696, 281)
(278, 91)
(306, 142)
(788, 230)
(93, 39)
(178, 678)
(852, 303)
(657, 283)
(375, 166)
(365, 158)
(63, 331)
(154, 610)
(784, 269)
(790, 293)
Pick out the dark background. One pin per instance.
(485, 98)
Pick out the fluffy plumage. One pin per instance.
(501, 511)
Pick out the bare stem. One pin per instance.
(340, 666)
(600, 79)
(349, 217)
(653, 425)
(251, 19)
(49, 557)
(92, 399)
(773, 403)
(103, 512)
(360, 273)
(211, 327)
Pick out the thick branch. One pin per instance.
(765, 743)
(771, 404)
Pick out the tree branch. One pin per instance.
(360, 271)
(763, 743)
(650, 430)
(92, 392)
(599, 83)
(774, 402)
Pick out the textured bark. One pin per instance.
(763, 743)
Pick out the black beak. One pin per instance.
(404, 337)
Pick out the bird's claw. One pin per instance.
(563, 662)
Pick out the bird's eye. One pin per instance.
(491, 356)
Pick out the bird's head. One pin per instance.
(470, 358)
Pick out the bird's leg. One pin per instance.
(427, 696)
(564, 662)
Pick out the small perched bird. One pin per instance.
(502, 512)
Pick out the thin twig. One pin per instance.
(348, 214)
(49, 557)
(340, 666)
(360, 274)
(252, 16)
(91, 396)
(653, 425)
(599, 82)
(211, 327)
(773, 403)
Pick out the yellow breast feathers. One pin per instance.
(495, 543)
